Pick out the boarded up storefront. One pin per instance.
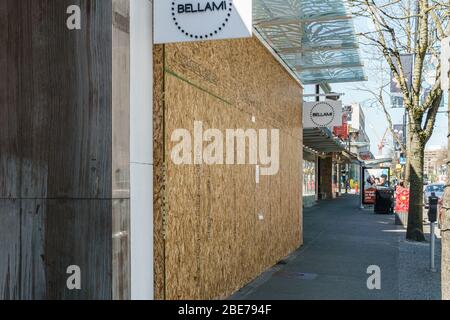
(216, 228)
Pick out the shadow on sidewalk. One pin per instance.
(341, 242)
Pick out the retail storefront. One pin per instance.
(129, 150)
(148, 226)
(211, 211)
(328, 161)
(310, 161)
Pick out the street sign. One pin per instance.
(399, 131)
(407, 62)
(445, 63)
(200, 20)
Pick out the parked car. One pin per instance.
(437, 188)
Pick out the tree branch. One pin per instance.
(431, 117)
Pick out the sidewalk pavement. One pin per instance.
(341, 242)
(416, 282)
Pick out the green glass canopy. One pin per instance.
(315, 38)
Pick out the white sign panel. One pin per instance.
(445, 63)
(200, 20)
(322, 114)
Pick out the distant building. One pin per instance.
(359, 140)
(435, 164)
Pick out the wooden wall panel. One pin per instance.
(41, 238)
(55, 149)
(214, 241)
(79, 233)
(55, 76)
(22, 249)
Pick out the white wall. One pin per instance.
(141, 153)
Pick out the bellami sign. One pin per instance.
(200, 20)
(322, 114)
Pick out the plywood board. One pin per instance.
(214, 240)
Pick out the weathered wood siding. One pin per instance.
(57, 177)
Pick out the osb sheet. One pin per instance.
(159, 170)
(215, 242)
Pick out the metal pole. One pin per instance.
(317, 92)
(361, 173)
(326, 95)
(405, 123)
(349, 165)
(405, 132)
(347, 177)
(432, 266)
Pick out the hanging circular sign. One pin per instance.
(322, 114)
(201, 19)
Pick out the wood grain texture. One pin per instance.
(215, 242)
(22, 267)
(55, 126)
(121, 249)
(41, 238)
(55, 149)
(159, 171)
(120, 156)
(78, 233)
(121, 100)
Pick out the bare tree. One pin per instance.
(378, 100)
(400, 27)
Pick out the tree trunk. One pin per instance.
(415, 215)
(407, 171)
(445, 241)
(445, 230)
(408, 161)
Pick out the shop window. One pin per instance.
(309, 178)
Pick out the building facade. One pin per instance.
(359, 140)
(435, 165)
(156, 171)
(88, 180)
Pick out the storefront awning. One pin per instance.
(377, 162)
(322, 140)
(315, 38)
(351, 157)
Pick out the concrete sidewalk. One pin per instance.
(341, 242)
